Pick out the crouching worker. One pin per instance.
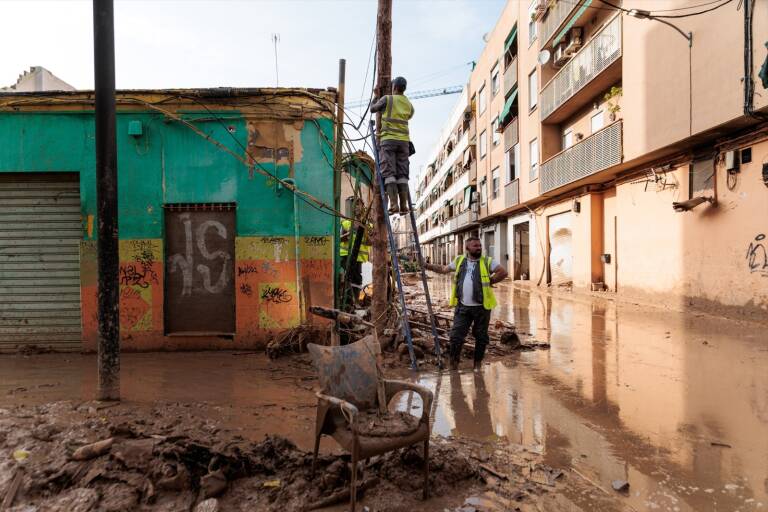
(472, 297)
(395, 146)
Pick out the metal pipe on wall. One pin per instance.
(106, 198)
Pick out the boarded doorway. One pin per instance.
(199, 270)
(560, 249)
(521, 267)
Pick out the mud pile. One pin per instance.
(65, 457)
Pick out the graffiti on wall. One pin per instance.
(757, 256)
(185, 261)
(275, 295)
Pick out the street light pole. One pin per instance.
(106, 198)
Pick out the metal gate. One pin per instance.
(561, 249)
(200, 269)
(40, 234)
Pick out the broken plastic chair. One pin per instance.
(350, 383)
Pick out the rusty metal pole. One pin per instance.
(379, 257)
(106, 198)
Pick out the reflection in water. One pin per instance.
(675, 403)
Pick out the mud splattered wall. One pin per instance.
(168, 166)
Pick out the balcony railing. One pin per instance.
(600, 52)
(555, 17)
(510, 76)
(593, 154)
(466, 218)
(512, 193)
(511, 134)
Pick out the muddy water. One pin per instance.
(674, 403)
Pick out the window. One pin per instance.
(533, 149)
(495, 85)
(495, 135)
(510, 47)
(532, 29)
(512, 161)
(701, 175)
(533, 90)
(481, 99)
(597, 122)
(567, 139)
(495, 182)
(483, 191)
(483, 144)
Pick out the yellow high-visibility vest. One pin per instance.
(364, 252)
(489, 299)
(394, 119)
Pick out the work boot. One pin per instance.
(477, 366)
(402, 190)
(391, 189)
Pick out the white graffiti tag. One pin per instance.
(186, 261)
(203, 269)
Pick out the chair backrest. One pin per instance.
(349, 372)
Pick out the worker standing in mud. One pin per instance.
(471, 295)
(396, 147)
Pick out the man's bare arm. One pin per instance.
(440, 269)
(499, 275)
(378, 105)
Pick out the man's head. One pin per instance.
(398, 85)
(473, 247)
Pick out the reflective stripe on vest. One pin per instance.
(344, 246)
(489, 299)
(394, 122)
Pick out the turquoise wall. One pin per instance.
(169, 163)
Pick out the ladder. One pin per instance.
(393, 249)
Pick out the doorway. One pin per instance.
(521, 270)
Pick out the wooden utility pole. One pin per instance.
(106, 199)
(379, 256)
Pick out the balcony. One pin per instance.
(466, 218)
(511, 134)
(555, 17)
(512, 193)
(591, 70)
(600, 151)
(510, 76)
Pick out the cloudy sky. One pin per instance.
(210, 43)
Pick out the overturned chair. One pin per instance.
(353, 391)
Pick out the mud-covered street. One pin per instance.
(675, 404)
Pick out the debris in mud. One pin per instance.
(294, 341)
(620, 486)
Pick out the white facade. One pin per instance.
(38, 79)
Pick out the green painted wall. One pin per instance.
(169, 163)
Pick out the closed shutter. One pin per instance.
(40, 235)
(561, 249)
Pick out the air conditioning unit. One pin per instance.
(575, 38)
(467, 116)
(560, 57)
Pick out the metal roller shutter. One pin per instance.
(561, 249)
(40, 233)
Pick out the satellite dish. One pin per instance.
(544, 56)
(485, 37)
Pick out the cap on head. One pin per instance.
(399, 83)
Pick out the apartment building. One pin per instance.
(616, 152)
(444, 204)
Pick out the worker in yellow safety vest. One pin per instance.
(395, 147)
(348, 229)
(472, 296)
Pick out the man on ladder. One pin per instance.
(472, 297)
(396, 147)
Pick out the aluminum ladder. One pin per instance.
(393, 249)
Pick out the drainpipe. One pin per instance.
(297, 251)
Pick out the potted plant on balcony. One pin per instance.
(612, 99)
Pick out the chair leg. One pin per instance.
(426, 469)
(353, 484)
(314, 457)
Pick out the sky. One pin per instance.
(228, 43)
